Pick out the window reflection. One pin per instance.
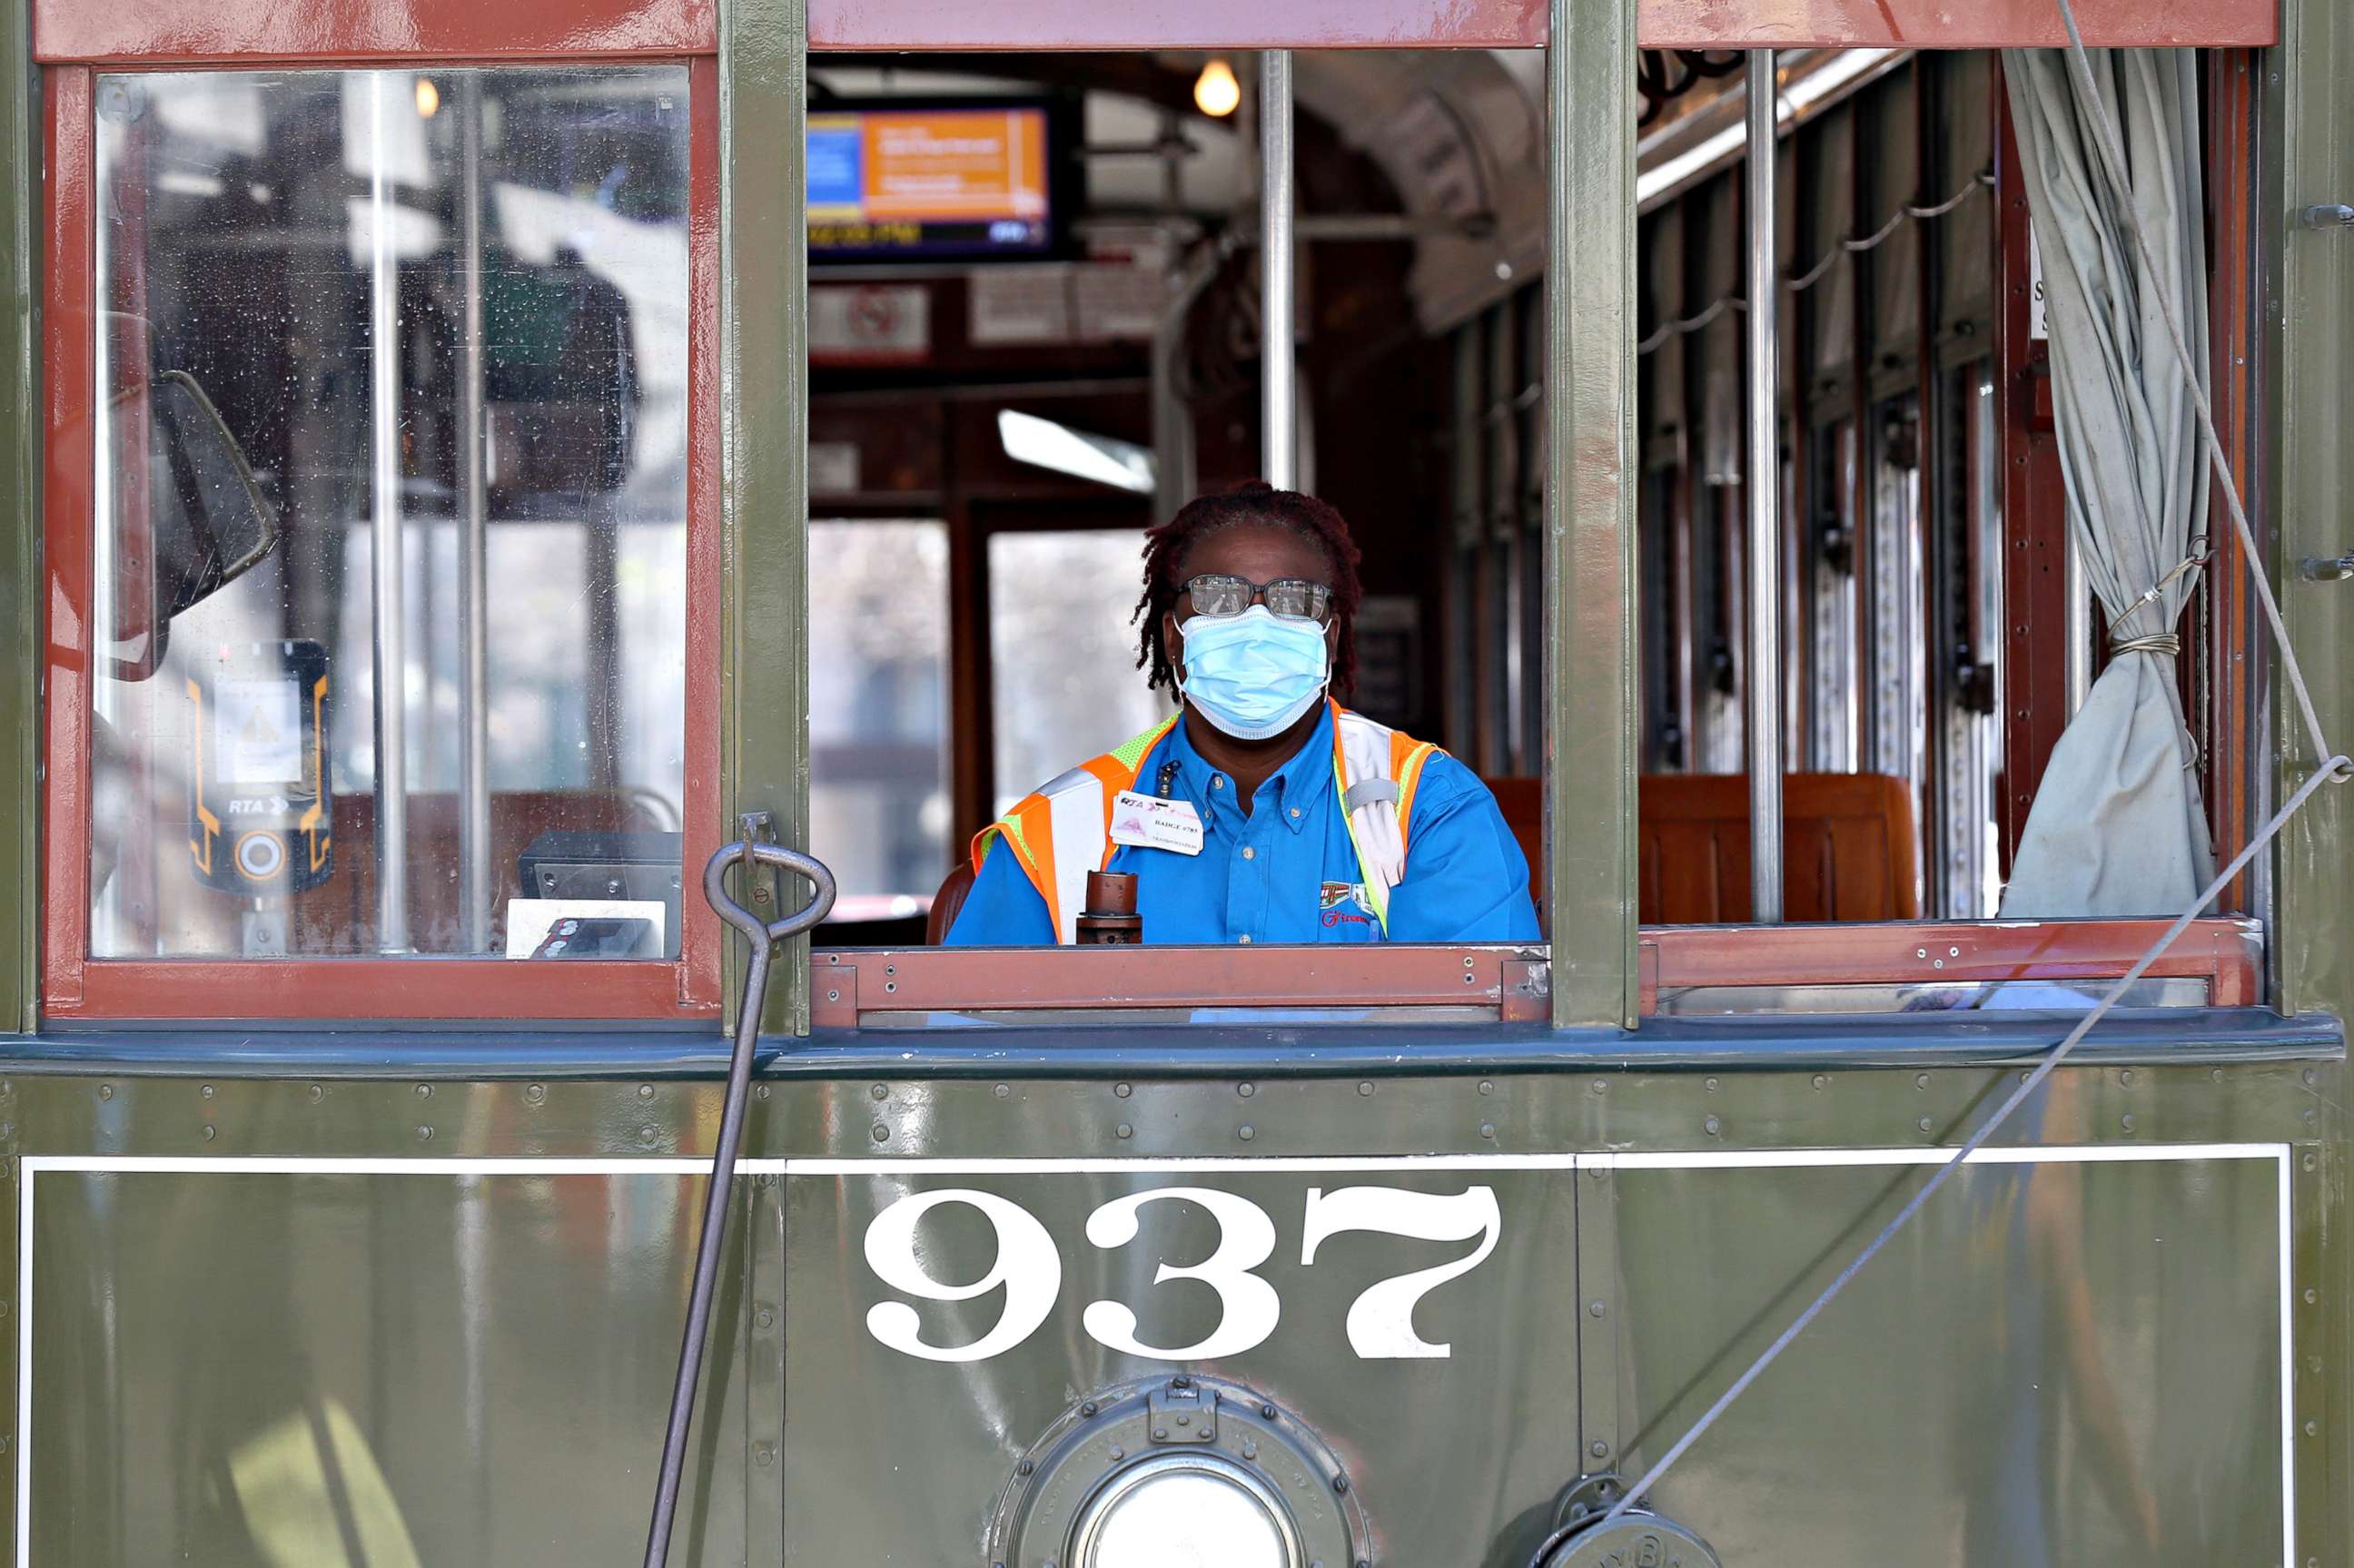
(393, 452)
(1062, 653)
(878, 713)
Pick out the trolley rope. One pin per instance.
(2336, 766)
(1798, 283)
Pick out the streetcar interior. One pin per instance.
(996, 410)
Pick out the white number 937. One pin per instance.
(1030, 1268)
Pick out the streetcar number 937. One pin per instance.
(1029, 1267)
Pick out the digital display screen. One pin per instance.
(915, 181)
(258, 729)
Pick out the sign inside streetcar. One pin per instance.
(905, 182)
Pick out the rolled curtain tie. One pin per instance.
(2165, 642)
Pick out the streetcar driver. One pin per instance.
(1263, 811)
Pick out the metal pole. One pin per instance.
(1278, 441)
(2077, 626)
(473, 553)
(391, 656)
(1764, 485)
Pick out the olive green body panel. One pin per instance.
(221, 1267)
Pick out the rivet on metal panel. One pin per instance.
(1921, 1081)
(2311, 1296)
(1598, 1448)
(2312, 1163)
(761, 1093)
(891, 985)
(2311, 1115)
(1001, 1090)
(1488, 1129)
(646, 1135)
(882, 1133)
(424, 1134)
(1713, 1127)
(2311, 1077)
(2024, 1076)
(645, 1091)
(1486, 1087)
(106, 1091)
(1121, 1090)
(207, 1091)
(1125, 1130)
(2217, 1074)
(1822, 1082)
(1117, 1453)
(1087, 1409)
(2124, 1076)
(1267, 1413)
(1364, 1088)
(2313, 1428)
(833, 993)
(211, 1132)
(1710, 1086)
(1601, 1086)
(1250, 1449)
(1340, 1484)
(534, 1094)
(1025, 1468)
(1245, 1132)
(1923, 1124)
(2126, 1122)
(879, 1091)
(1596, 1309)
(1245, 1090)
(318, 1092)
(763, 1318)
(764, 1453)
(424, 1091)
(890, 968)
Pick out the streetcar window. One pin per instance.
(391, 502)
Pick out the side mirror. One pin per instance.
(188, 516)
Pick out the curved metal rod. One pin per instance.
(764, 935)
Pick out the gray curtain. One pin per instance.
(2118, 827)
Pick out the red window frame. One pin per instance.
(75, 985)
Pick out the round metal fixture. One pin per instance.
(1178, 1472)
(1636, 1539)
(1185, 1511)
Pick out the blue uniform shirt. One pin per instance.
(1286, 872)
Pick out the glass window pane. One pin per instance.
(878, 713)
(380, 346)
(1062, 653)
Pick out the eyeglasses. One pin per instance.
(1217, 596)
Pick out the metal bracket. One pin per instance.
(1182, 1412)
(2328, 214)
(760, 828)
(2324, 569)
(1528, 991)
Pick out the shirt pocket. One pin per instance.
(1343, 913)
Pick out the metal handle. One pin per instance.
(758, 932)
(764, 935)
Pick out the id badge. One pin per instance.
(1155, 824)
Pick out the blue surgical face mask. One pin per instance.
(1253, 674)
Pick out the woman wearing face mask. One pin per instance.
(1263, 812)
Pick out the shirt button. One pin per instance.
(1217, 783)
(1244, 938)
(1249, 853)
(1295, 813)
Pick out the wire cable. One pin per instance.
(2336, 766)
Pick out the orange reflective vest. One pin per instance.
(1063, 830)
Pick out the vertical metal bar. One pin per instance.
(2078, 626)
(764, 422)
(1278, 438)
(1590, 510)
(1763, 688)
(473, 546)
(21, 245)
(390, 552)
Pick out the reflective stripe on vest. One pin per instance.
(1063, 830)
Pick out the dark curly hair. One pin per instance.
(1167, 548)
